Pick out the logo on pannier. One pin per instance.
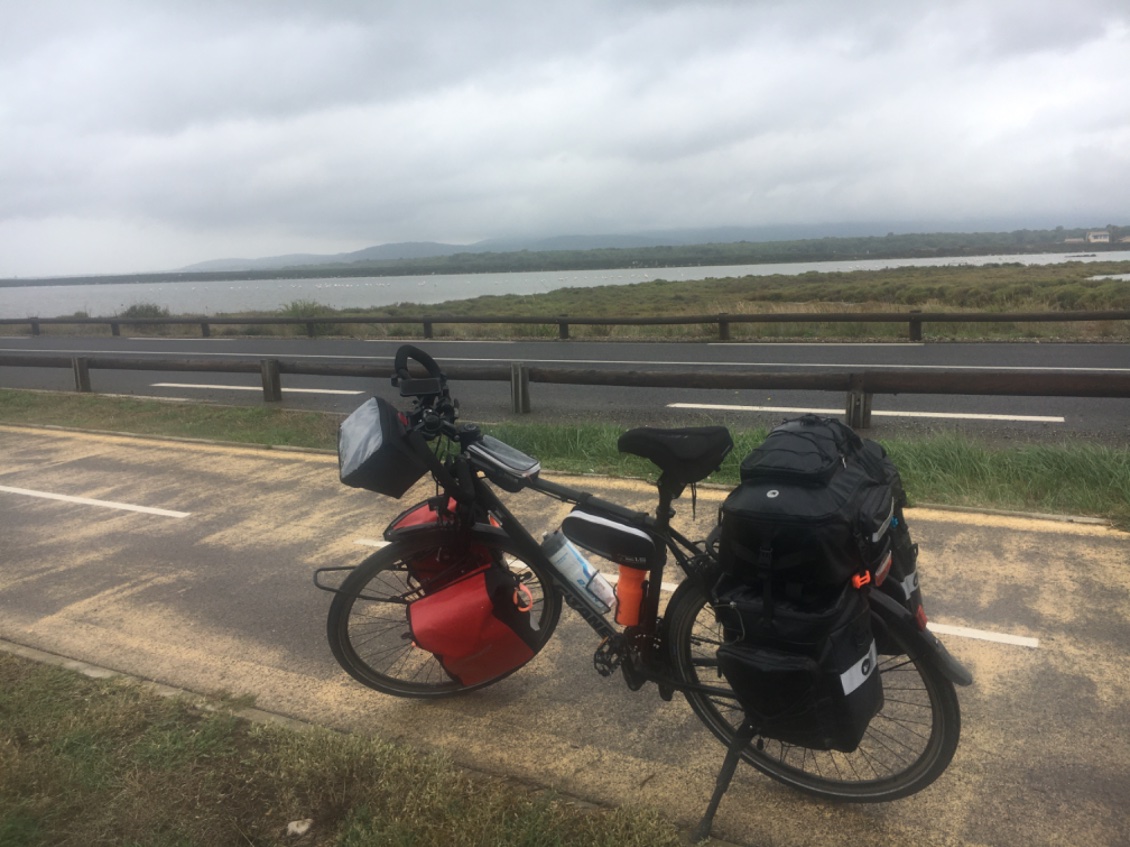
(858, 673)
(772, 493)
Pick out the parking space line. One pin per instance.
(88, 501)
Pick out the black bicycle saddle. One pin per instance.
(686, 456)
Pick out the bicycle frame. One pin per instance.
(472, 489)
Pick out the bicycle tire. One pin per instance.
(367, 625)
(908, 744)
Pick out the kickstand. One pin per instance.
(742, 737)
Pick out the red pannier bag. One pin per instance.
(478, 626)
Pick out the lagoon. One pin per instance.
(221, 296)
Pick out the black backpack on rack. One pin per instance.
(802, 540)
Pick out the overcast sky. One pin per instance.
(150, 135)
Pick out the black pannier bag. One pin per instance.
(373, 452)
(902, 581)
(813, 510)
(804, 674)
(802, 539)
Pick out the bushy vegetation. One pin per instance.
(1005, 287)
(145, 310)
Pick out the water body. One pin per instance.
(362, 292)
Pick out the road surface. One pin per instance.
(1004, 417)
(191, 565)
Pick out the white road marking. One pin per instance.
(371, 542)
(250, 388)
(431, 342)
(205, 340)
(970, 416)
(851, 366)
(984, 635)
(779, 344)
(87, 501)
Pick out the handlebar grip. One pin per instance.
(410, 351)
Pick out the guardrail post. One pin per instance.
(519, 388)
(427, 329)
(115, 329)
(310, 328)
(272, 382)
(205, 330)
(916, 326)
(723, 327)
(81, 367)
(35, 327)
(857, 413)
(562, 328)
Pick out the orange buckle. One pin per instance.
(861, 579)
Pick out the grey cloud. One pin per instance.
(351, 123)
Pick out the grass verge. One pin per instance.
(1076, 478)
(87, 761)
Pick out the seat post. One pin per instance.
(666, 498)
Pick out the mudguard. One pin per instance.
(893, 613)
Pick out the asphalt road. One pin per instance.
(210, 590)
(1006, 417)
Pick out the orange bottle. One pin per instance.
(629, 595)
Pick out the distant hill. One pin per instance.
(379, 253)
(677, 248)
(409, 250)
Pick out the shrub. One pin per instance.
(145, 310)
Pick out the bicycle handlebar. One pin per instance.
(434, 386)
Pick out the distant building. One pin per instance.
(1098, 237)
(1074, 241)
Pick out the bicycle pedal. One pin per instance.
(607, 658)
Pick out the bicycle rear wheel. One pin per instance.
(367, 626)
(906, 747)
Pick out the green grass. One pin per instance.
(86, 762)
(1077, 478)
(248, 425)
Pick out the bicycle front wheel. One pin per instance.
(907, 745)
(368, 626)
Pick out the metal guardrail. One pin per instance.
(914, 320)
(858, 387)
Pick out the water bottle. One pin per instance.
(575, 568)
